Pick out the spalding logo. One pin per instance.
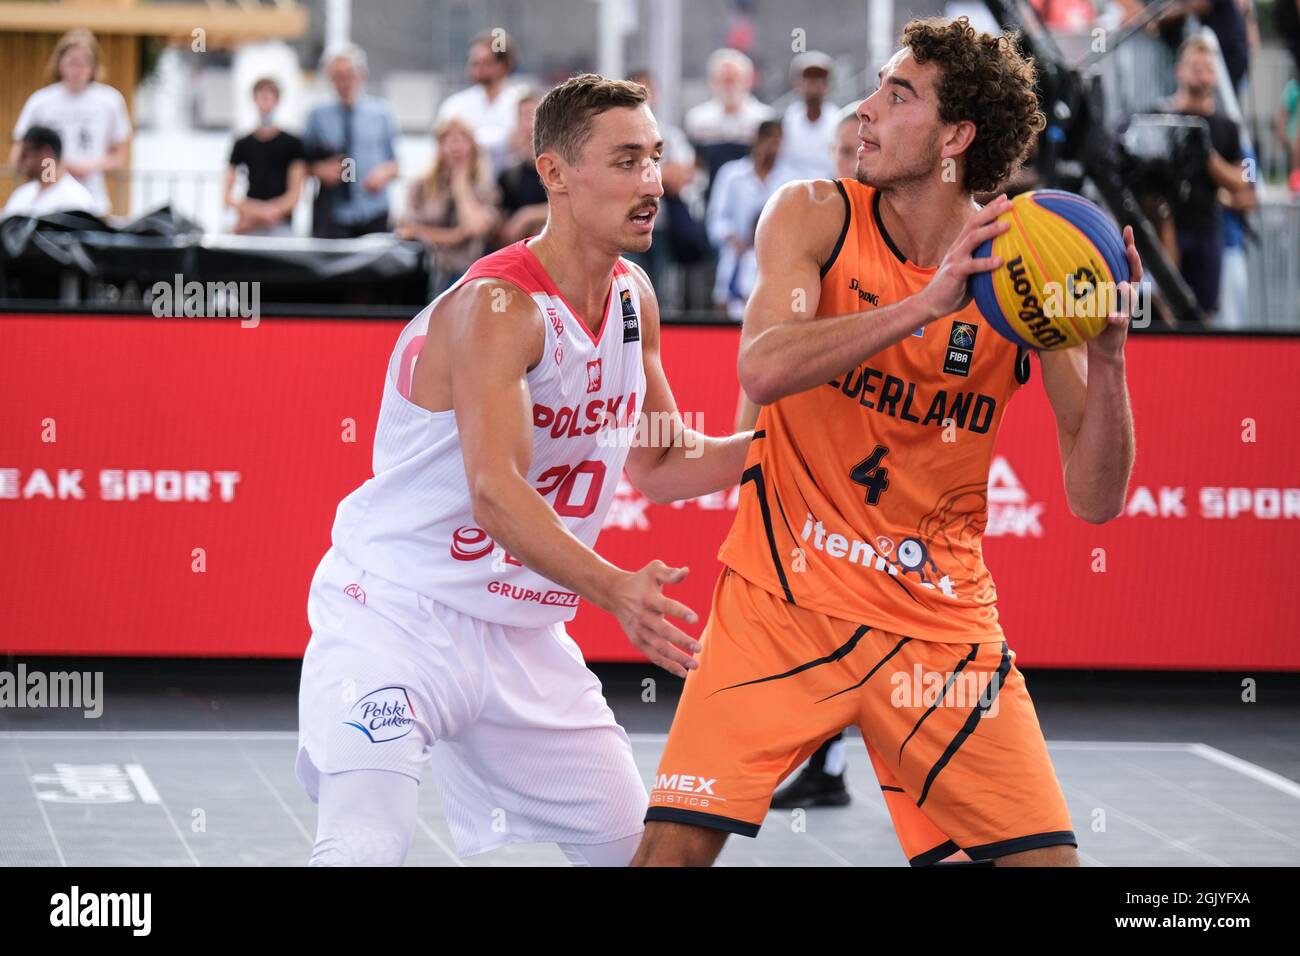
(383, 715)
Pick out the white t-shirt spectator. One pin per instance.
(88, 122)
(492, 121)
(66, 195)
(807, 146)
(709, 123)
(738, 198)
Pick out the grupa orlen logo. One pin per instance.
(383, 715)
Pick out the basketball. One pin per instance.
(1063, 263)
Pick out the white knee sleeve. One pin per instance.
(367, 818)
(618, 853)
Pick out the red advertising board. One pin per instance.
(167, 487)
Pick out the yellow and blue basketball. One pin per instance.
(1063, 262)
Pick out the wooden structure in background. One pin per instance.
(29, 31)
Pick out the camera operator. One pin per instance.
(1205, 174)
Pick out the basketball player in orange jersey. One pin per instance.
(854, 590)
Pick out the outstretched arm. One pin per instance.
(673, 461)
(490, 353)
(1094, 423)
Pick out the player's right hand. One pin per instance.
(640, 605)
(949, 290)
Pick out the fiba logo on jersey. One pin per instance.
(631, 323)
(557, 323)
(383, 715)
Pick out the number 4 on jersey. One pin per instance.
(870, 475)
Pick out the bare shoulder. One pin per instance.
(819, 198)
(803, 216)
(492, 311)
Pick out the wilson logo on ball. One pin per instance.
(1063, 264)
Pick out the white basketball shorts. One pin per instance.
(523, 746)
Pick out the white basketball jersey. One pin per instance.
(412, 523)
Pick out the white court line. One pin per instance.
(143, 785)
(1155, 746)
(835, 856)
(1246, 768)
(428, 831)
(1217, 807)
(165, 809)
(1052, 744)
(276, 793)
(1205, 751)
(1145, 827)
(40, 804)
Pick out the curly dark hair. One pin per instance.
(986, 80)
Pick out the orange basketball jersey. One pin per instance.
(866, 498)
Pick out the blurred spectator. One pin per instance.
(489, 107)
(809, 123)
(275, 164)
(351, 145)
(679, 236)
(844, 154)
(523, 197)
(1286, 18)
(741, 189)
(1223, 17)
(1228, 21)
(48, 186)
(1234, 292)
(722, 128)
(1286, 127)
(1198, 216)
(452, 209)
(741, 32)
(89, 116)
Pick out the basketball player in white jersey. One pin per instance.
(438, 613)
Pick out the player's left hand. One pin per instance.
(1110, 343)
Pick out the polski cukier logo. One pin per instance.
(383, 715)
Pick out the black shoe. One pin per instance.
(812, 788)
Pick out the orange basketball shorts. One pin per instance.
(950, 729)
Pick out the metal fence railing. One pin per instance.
(1273, 265)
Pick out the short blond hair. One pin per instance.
(70, 40)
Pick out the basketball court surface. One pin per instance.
(1164, 770)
